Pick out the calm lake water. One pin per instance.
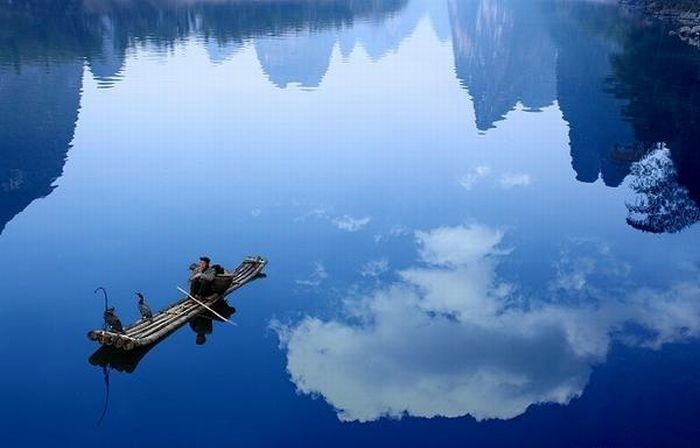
(479, 217)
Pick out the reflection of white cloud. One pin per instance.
(505, 180)
(350, 224)
(455, 246)
(396, 231)
(474, 176)
(446, 340)
(591, 263)
(345, 222)
(510, 180)
(317, 213)
(375, 268)
(317, 276)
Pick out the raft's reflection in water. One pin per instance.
(122, 361)
(203, 324)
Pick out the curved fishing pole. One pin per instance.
(104, 292)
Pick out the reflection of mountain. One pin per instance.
(622, 84)
(596, 127)
(508, 51)
(626, 87)
(38, 111)
(108, 60)
(380, 38)
(43, 46)
(303, 57)
(503, 56)
(101, 31)
(659, 78)
(220, 51)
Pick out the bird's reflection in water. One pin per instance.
(110, 358)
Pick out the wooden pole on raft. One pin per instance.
(214, 312)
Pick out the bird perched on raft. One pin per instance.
(113, 321)
(144, 309)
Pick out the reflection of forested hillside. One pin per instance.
(624, 86)
(659, 78)
(645, 95)
(102, 30)
(43, 46)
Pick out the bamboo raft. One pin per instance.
(146, 332)
(126, 362)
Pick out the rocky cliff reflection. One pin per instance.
(39, 104)
(509, 52)
(43, 47)
(451, 337)
(659, 79)
(646, 96)
(302, 58)
(503, 56)
(596, 124)
(622, 83)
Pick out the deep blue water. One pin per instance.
(479, 215)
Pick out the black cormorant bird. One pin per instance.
(144, 309)
(113, 321)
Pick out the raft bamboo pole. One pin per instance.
(205, 306)
(142, 328)
(237, 275)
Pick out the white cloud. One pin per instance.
(511, 180)
(350, 224)
(474, 176)
(317, 213)
(451, 246)
(317, 276)
(505, 180)
(255, 212)
(396, 231)
(345, 222)
(446, 340)
(375, 268)
(399, 231)
(585, 263)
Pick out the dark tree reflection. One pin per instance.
(661, 205)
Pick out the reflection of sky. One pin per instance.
(523, 277)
